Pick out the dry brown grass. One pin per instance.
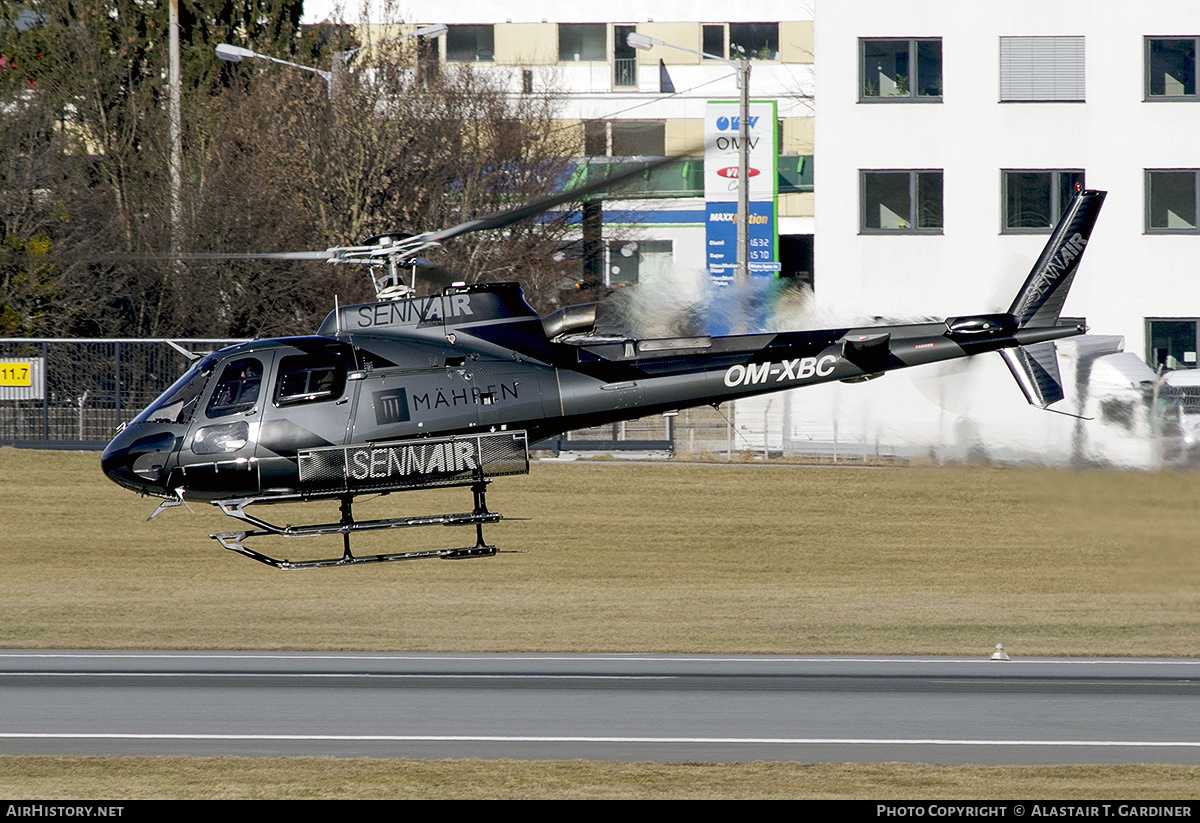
(220, 778)
(670, 558)
(719, 558)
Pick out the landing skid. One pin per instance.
(234, 541)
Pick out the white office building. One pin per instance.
(627, 104)
(951, 135)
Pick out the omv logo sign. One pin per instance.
(734, 123)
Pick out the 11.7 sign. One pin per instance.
(16, 374)
(22, 378)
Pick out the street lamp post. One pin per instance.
(341, 59)
(742, 66)
(236, 54)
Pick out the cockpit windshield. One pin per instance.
(177, 403)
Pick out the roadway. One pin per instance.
(667, 708)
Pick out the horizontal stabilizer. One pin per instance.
(1036, 369)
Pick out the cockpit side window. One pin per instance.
(310, 378)
(237, 390)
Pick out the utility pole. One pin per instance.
(741, 275)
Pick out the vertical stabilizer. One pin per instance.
(1040, 301)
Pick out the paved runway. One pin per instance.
(668, 708)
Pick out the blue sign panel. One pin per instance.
(721, 240)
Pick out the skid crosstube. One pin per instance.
(234, 541)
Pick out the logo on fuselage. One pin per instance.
(1058, 266)
(405, 461)
(390, 406)
(415, 311)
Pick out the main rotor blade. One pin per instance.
(373, 254)
(536, 207)
(278, 255)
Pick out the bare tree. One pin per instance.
(396, 151)
(85, 153)
(270, 164)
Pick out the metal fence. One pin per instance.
(625, 71)
(74, 393)
(752, 429)
(80, 390)
(77, 391)
(647, 434)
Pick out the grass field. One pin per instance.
(322, 778)
(618, 558)
(621, 558)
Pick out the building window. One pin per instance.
(1034, 200)
(470, 44)
(595, 138)
(625, 138)
(1171, 68)
(428, 68)
(758, 41)
(633, 261)
(714, 41)
(1041, 69)
(1171, 201)
(639, 138)
(902, 202)
(901, 70)
(582, 41)
(624, 58)
(1171, 343)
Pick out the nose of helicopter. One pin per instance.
(138, 458)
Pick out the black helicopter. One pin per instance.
(451, 389)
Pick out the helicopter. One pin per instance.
(451, 389)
